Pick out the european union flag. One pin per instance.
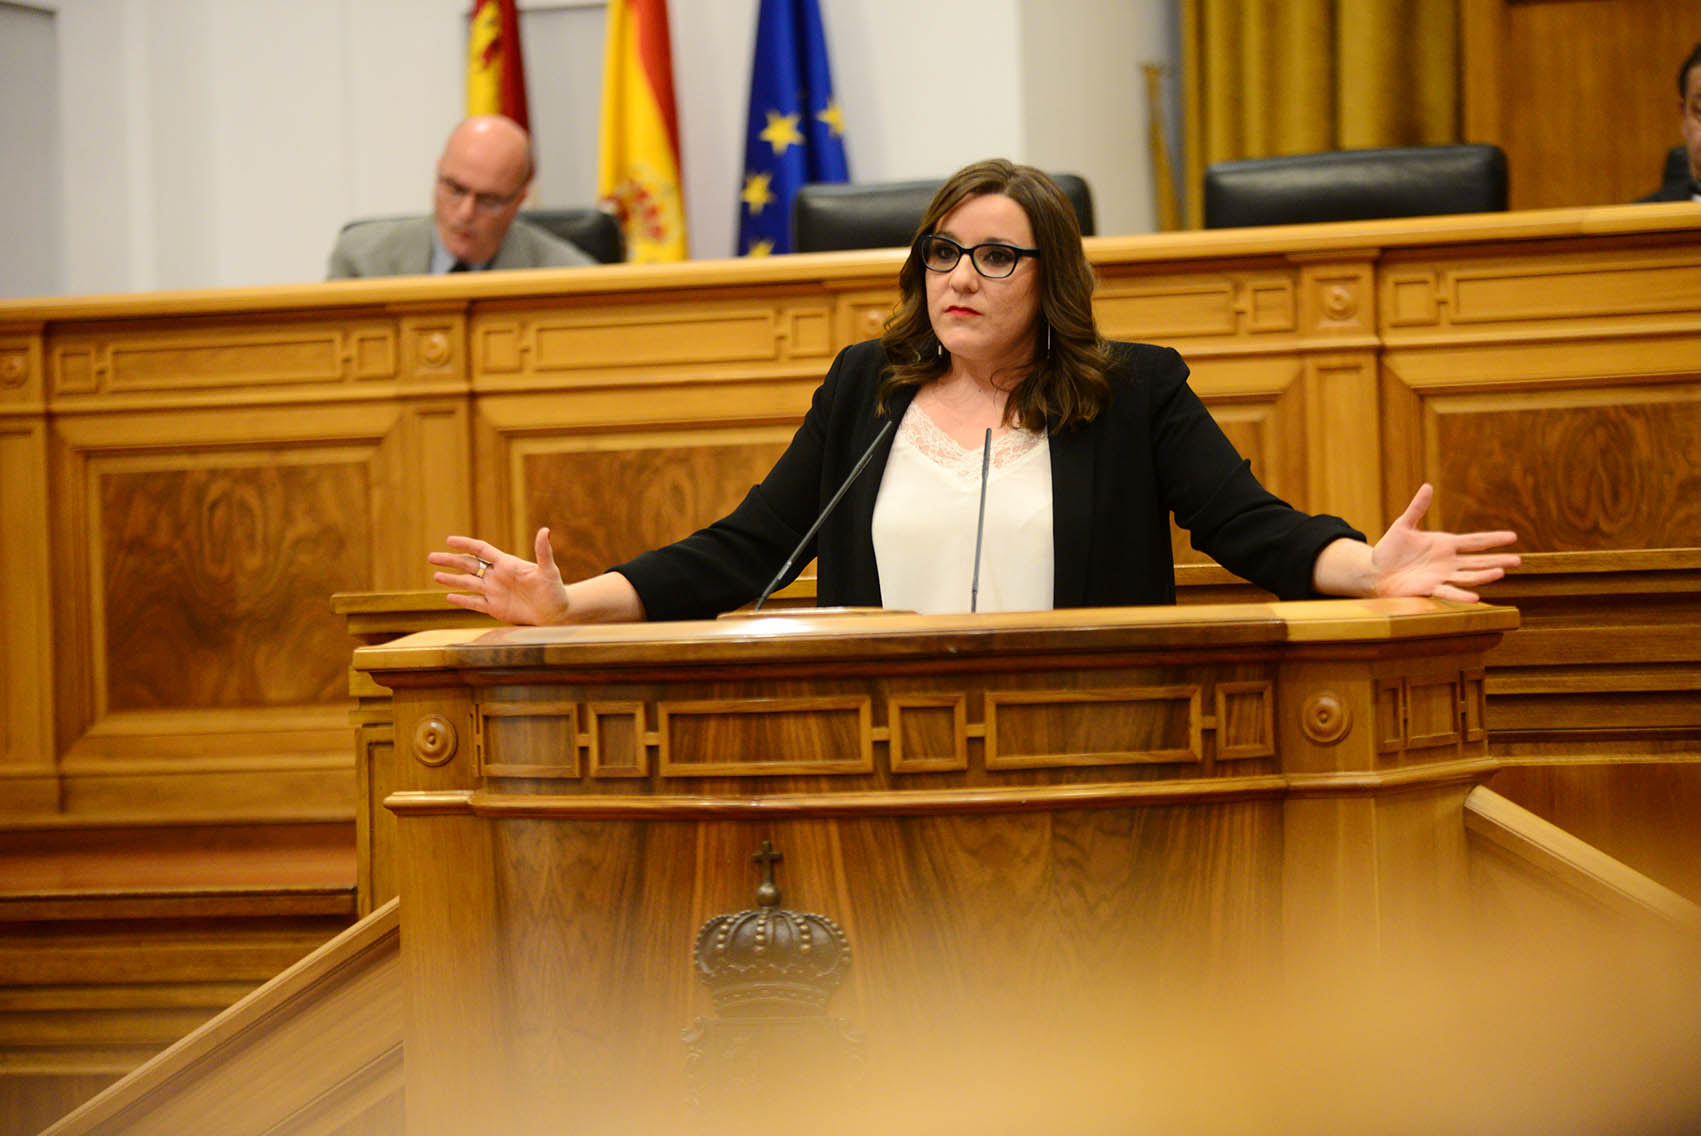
(796, 133)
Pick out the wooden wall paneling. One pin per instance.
(1238, 326)
(317, 1050)
(1595, 703)
(1531, 396)
(28, 774)
(665, 338)
(31, 1102)
(1338, 316)
(1558, 452)
(1606, 660)
(607, 504)
(430, 489)
(195, 607)
(614, 474)
(1542, 76)
(1638, 809)
(861, 313)
(1343, 442)
(93, 985)
(1313, 310)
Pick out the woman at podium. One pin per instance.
(991, 451)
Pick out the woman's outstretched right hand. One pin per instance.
(481, 577)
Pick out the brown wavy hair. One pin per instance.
(1067, 385)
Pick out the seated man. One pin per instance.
(1689, 106)
(482, 179)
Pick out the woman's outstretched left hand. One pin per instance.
(1409, 561)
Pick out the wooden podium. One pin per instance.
(1029, 827)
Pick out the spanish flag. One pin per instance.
(638, 152)
(496, 75)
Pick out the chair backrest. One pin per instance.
(593, 229)
(1677, 166)
(830, 217)
(1355, 185)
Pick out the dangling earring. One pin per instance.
(938, 349)
(1048, 339)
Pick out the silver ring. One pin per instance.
(482, 565)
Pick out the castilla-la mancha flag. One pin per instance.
(638, 171)
(496, 74)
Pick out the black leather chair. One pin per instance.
(593, 229)
(1355, 185)
(830, 217)
(1677, 166)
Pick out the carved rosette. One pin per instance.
(434, 740)
(1339, 303)
(14, 368)
(1325, 718)
(434, 348)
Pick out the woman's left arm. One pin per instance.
(1409, 561)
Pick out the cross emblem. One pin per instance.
(768, 892)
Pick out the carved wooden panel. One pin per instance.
(1430, 711)
(617, 740)
(1625, 290)
(194, 611)
(213, 355)
(1154, 308)
(929, 732)
(530, 739)
(883, 732)
(862, 315)
(649, 342)
(606, 503)
(26, 642)
(1571, 472)
(20, 370)
(211, 580)
(1245, 720)
(707, 738)
(1093, 727)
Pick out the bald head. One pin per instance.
(482, 179)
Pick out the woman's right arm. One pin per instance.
(484, 578)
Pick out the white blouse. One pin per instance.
(926, 513)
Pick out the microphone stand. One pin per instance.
(825, 513)
(980, 524)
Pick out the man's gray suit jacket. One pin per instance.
(403, 248)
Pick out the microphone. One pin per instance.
(980, 524)
(825, 513)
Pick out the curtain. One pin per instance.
(1267, 77)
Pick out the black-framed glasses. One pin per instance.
(994, 260)
(483, 202)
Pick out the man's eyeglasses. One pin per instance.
(483, 202)
(941, 254)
